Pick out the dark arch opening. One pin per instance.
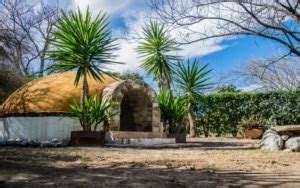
(136, 112)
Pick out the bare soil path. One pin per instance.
(203, 162)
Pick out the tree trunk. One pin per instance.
(85, 94)
(191, 122)
(42, 66)
(163, 82)
(42, 58)
(192, 125)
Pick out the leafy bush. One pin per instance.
(221, 113)
(97, 110)
(173, 111)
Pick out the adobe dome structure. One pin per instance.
(53, 93)
(40, 109)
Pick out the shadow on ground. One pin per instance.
(201, 145)
(137, 175)
(35, 169)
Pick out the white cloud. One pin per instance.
(251, 88)
(134, 17)
(111, 6)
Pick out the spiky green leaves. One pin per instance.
(173, 110)
(156, 49)
(96, 108)
(82, 43)
(192, 78)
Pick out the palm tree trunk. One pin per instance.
(191, 122)
(85, 94)
(163, 83)
(42, 66)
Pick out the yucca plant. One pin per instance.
(191, 78)
(83, 44)
(178, 114)
(156, 49)
(173, 111)
(164, 100)
(97, 109)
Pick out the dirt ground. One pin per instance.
(203, 162)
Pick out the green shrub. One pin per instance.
(221, 113)
(173, 111)
(97, 110)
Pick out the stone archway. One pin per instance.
(136, 112)
(134, 106)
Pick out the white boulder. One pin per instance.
(272, 141)
(293, 144)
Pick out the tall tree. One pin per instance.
(156, 48)
(25, 33)
(271, 75)
(10, 80)
(201, 20)
(84, 44)
(192, 80)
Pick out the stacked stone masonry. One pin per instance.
(134, 106)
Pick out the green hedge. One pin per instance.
(220, 113)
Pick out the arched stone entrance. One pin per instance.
(134, 107)
(136, 112)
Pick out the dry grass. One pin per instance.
(209, 162)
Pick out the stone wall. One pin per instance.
(140, 98)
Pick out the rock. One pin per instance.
(286, 128)
(65, 142)
(285, 137)
(46, 143)
(34, 143)
(271, 141)
(2, 143)
(56, 142)
(293, 144)
(18, 140)
(23, 142)
(11, 142)
(109, 138)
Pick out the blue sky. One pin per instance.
(238, 51)
(222, 56)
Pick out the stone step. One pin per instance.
(137, 134)
(143, 141)
(130, 138)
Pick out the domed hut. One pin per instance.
(40, 109)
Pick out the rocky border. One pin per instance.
(115, 93)
(55, 142)
(282, 137)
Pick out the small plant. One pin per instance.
(251, 123)
(173, 111)
(97, 110)
(251, 127)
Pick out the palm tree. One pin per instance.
(192, 79)
(85, 45)
(155, 48)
